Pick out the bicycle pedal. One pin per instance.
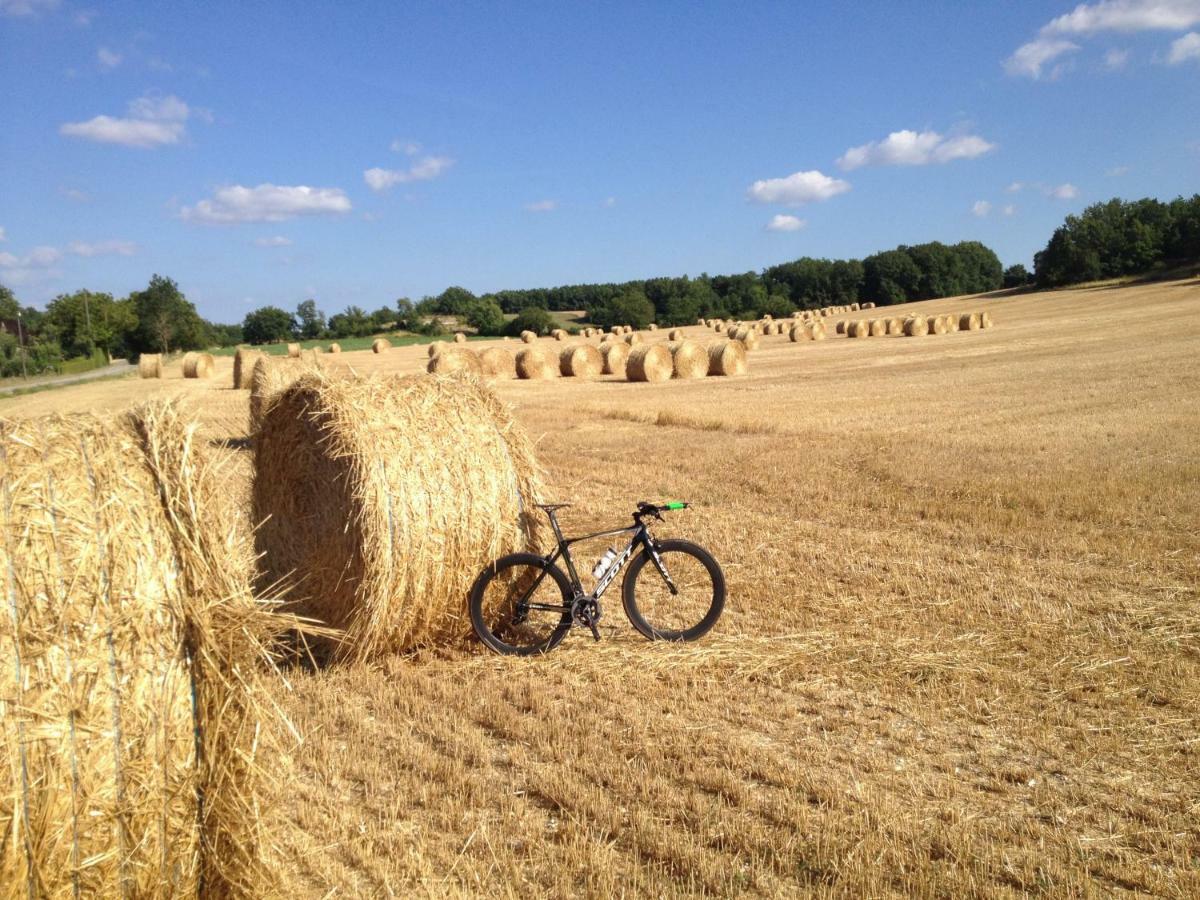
(595, 631)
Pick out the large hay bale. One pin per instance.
(649, 362)
(688, 359)
(460, 359)
(293, 350)
(951, 322)
(969, 322)
(580, 361)
(731, 331)
(867, 306)
(985, 320)
(633, 338)
(381, 499)
(559, 334)
(150, 365)
(727, 358)
(528, 337)
(818, 330)
(895, 325)
(436, 347)
(840, 327)
(536, 364)
(859, 328)
(615, 354)
(937, 324)
(270, 376)
(916, 326)
(675, 334)
(798, 332)
(198, 365)
(498, 362)
(653, 326)
(133, 711)
(243, 365)
(335, 347)
(878, 327)
(379, 345)
(459, 337)
(747, 336)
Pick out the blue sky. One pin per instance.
(357, 152)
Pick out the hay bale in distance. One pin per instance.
(936, 324)
(379, 345)
(895, 326)
(840, 327)
(580, 361)
(459, 337)
(616, 354)
(969, 322)
(859, 328)
(335, 347)
(632, 338)
(649, 362)
(133, 682)
(382, 498)
(916, 326)
(198, 365)
(293, 350)
(985, 320)
(150, 365)
(537, 364)
(748, 337)
(460, 359)
(878, 327)
(727, 358)
(675, 334)
(653, 326)
(528, 337)
(243, 365)
(559, 334)
(436, 347)
(688, 359)
(270, 376)
(498, 362)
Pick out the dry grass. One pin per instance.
(960, 654)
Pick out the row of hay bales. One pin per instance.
(915, 325)
(139, 743)
(195, 365)
(636, 362)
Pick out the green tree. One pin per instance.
(631, 308)
(531, 318)
(354, 322)
(405, 313)
(8, 304)
(311, 320)
(85, 320)
(890, 277)
(454, 301)
(485, 316)
(1015, 276)
(268, 325)
(166, 319)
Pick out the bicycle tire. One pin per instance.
(637, 616)
(487, 632)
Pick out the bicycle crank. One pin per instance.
(586, 611)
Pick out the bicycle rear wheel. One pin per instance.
(521, 605)
(689, 612)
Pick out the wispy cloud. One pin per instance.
(781, 222)
(1030, 60)
(103, 248)
(236, 204)
(1116, 59)
(152, 121)
(409, 148)
(1184, 49)
(797, 188)
(913, 148)
(981, 208)
(108, 59)
(609, 202)
(1065, 191)
(424, 169)
(275, 241)
(3, 235)
(26, 7)
(1009, 210)
(541, 206)
(1116, 171)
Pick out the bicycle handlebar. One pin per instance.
(655, 509)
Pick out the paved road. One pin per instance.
(119, 367)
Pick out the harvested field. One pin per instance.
(964, 665)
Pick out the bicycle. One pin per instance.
(682, 604)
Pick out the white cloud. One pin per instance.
(1009, 210)
(1116, 171)
(276, 241)
(1065, 191)
(83, 18)
(108, 59)
(796, 189)
(74, 194)
(542, 206)
(153, 121)
(911, 148)
(1184, 49)
(1115, 60)
(981, 208)
(266, 203)
(609, 202)
(3, 236)
(38, 258)
(103, 248)
(782, 222)
(1015, 186)
(26, 7)
(424, 169)
(409, 148)
(1124, 16)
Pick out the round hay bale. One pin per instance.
(615, 354)
(916, 326)
(270, 376)
(798, 333)
(198, 365)
(689, 359)
(243, 365)
(649, 362)
(878, 327)
(652, 327)
(936, 324)
(985, 320)
(853, 307)
(581, 361)
(528, 337)
(867, 306)
(559, 334)
(969, 322)
(895, 326)
(840, 327)
(951, 322)
(381, 499)
(335, 347)
(675, 334)
(633, 338)
(150, 365)
(537, 364)
(498, 362)
(379, 345)
(608, 338)
(747, 336)
(293, 350)
(727, 358)
(818, 330)
(459, 337)
(731, 331)
(858, 328)
(134, 683)
(457, 360)
(436, 347)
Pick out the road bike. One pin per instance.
(673, 590)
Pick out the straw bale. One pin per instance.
(382, 498)
(748, 337)
(436, 347)
(150, 365)
(528, 337)
(689, 359)
(727, 358)
(858, 328)
(916, 326)
(840, 327)
(895, 325)
(293, 350)
(633, 338)
(878, 327)
(937, 324)
(818, 330)
(652, 327)
(985, 320)
(951, 322)
(379, 345)
(460, 359)
(335, 347)
(649, 362)
(731, 331)
(243, 364)
(536, 363)
(581, 361)
(198, 365)
(867, 306)
(133, 705)
(969, 322)
(675, 334)
(498, 362)
(559, 334)
(459, 337)
(269, 376)
(615, 356)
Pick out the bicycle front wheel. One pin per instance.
(521, 605)
(685, 614)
